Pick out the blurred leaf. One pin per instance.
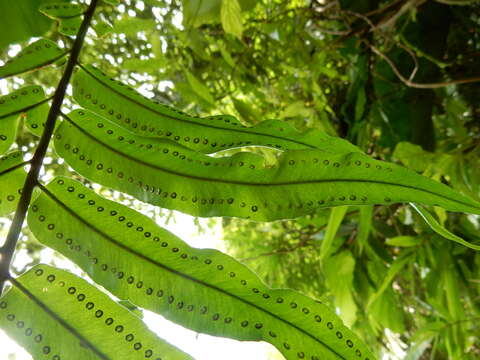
(201, 90)
(394, 269)
(295, 109)
(336, 217)
(385, 311)
(56, 10)
(246, 111)
(199, 12)
(130, 26)
(338, 271)
(231, 15)
(21, 20)
(102, 28)
(40, 53)
(364, 226)
(403, 241)
(440, 230)
(414, 157)
(227, 57)
(69, 26)
(147, 65)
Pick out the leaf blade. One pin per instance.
(28, 102)
(396, 266)
(119, 103)
(56, 10)
(12, 178)
(202, 289)
(337, 215)
(59, 301)
(440, 230)
(163, 173)
(38, 54)
(231, 16)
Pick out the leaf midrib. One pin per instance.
(45, 63)
(14, 167)
(246, 183)
(58, 318)
(177, 272)
(27, 108)
(192, 122)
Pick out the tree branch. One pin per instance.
(8, 249)
(412, 84)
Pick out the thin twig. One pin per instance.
(7, 250)
(414, 58)
(363, 17)
(303, 243)
(383, 8)
(457, 2)
(406, 7)
(412, 84)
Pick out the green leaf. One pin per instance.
(201, 90)
(8, 130)
(246, 111)
(418, 159)
(440, 230)
(121, 104)
(102, 28)
(296, 109)
(57, 315)
(394, 269)
(36, 114)
(385, 311)
(202, 289)
(130, 26)
(12, 178)
(338, 271)
(29, 102)
(336, 217)
(404, 241)
(21, 21)
(143, 65)
(199, 12)
(69, 26)
(56, 10)
(365, 226)
(164, 173)
(36, 55)
(227, 57)
(231, 16)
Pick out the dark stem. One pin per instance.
(7, 250)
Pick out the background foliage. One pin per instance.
(382, 74)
